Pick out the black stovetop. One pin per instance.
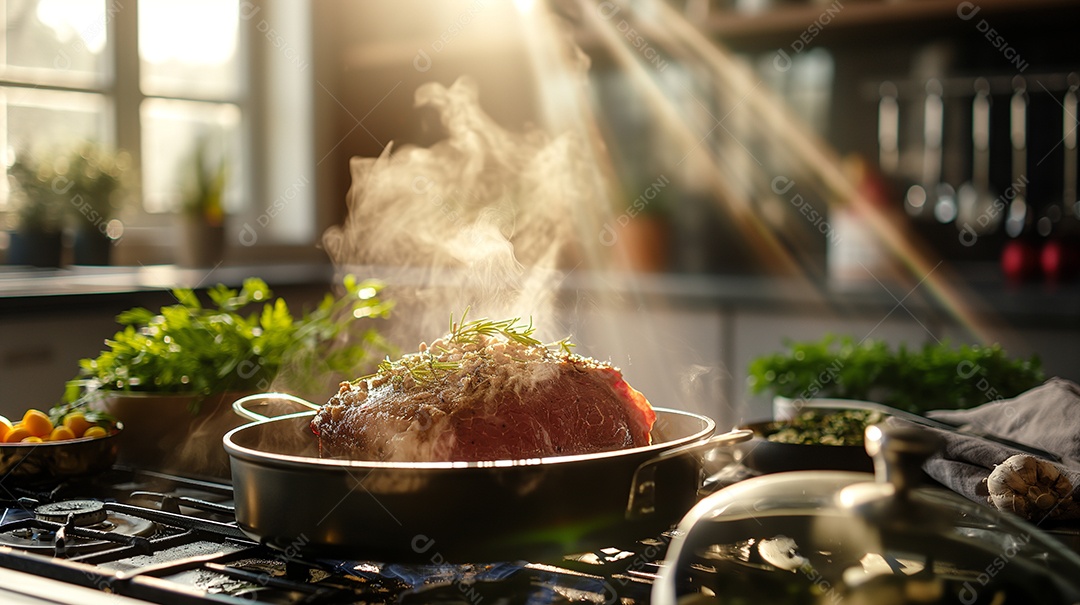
(165, 539)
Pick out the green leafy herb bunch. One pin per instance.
(935, 376)
(242, 342)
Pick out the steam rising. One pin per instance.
(480, 219)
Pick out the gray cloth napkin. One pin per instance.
(1047, 417)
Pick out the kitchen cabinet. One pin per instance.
(37, 354)
(745, 29)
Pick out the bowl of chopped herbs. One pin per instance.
(817, 439)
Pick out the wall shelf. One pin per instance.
(743, 29)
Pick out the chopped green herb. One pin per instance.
(815, 427)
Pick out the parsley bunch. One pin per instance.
(935, 376)
(234, 345)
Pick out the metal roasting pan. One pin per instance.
(431, 512)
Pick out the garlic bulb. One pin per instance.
(1032, 488)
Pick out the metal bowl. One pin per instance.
(66, 458)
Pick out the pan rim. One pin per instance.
(236, 451)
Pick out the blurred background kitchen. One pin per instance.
(902, 170)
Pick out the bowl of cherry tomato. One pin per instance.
(75, 444)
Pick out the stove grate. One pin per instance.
(196, 553)
(171, 503)
(226, 530)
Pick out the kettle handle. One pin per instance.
(238, 405)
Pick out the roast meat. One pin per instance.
(484, 398)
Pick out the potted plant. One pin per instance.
(202, 207)
(39, 210)
(93, 185)
(81, 183)
(641, 232)
(172, 375)
(935, 376)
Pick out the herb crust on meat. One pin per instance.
(485, 391)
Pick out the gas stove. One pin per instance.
(158, 538)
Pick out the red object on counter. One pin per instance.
(1059, 260)
(1020, 260)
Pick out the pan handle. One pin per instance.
(238, 405)
(642, 501)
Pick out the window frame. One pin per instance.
(123, 96)
(129, 98)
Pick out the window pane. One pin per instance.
(188, 48)
(66, 38)
(32, 119)
(170, 131)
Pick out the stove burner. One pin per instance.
(91, 520)
(83, 513)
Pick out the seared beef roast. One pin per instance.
(484, 395)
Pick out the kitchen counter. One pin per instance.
(24, 290)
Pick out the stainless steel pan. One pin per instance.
(288, 497)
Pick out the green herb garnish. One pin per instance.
(189, 348)
(425, 367)
(935, 376)
(471, 331)
(812, 427)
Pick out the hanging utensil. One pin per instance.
(933, 195)
(945, 204)
(1069, 126)
(1020, 256)
(888, 129)
(976, 198)
(1056, 212)
(1018, 208)
(1060, 255)
(917, 197)
(1067, 211)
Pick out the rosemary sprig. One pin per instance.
(565, 345)
(424, 367)
(470, 331)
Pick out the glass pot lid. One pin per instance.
(812, 537)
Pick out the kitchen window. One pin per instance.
(156, 77)
(190, 55)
